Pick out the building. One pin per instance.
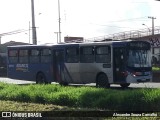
(73, 39)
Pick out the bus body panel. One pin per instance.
(29, 71)
(137, 79)
(72, 73)
(71, 63)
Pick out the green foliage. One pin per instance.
(155, 68)
(87, 97)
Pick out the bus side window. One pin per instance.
(34, 56)
(13, 56)
(87, 54)
(46, 55)
(23, 56)
(103, 54)
(72, 55)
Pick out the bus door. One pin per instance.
(119, 65)
(58, 64)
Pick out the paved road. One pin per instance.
(140, 85)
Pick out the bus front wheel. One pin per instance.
(40, 78)
(102, 81)
(124, 85)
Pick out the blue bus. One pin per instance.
(103, 63)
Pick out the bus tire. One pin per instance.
(124, 85)
(41, 78)
(63, 83)
(102, 81)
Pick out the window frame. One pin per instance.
(72, 58)
(33, 56)
(24, 57)
(13, 56)
(108, 54)
(45, 58)
(85, 55)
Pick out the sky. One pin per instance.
(80, 18)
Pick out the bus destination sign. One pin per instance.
(139, 45)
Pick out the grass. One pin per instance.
(55, 97)
(24, 106)
(84, 97)
(155, 68)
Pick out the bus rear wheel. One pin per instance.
(41, 78)
(102, 81)
(124, 85)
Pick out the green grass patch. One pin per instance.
(155, 68)
(146, 99)
(24, 106)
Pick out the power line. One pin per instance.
(13, 32)
(130, 19)
(109, 25)
(123, 20)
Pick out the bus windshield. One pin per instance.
(139, 58)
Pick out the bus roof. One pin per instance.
(68, 44)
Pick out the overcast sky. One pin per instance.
(82, 18)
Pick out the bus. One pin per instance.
(104, 63)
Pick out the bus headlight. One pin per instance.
(134, 74)
(125, 73)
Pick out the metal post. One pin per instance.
(59, 20)
(152, 24)
(29, 32)
(34, 36)
(152, 31)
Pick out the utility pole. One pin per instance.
(59, 20)
(29, 32)
(152, 30)
(152, 24)
(34, 35)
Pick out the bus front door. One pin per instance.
(119, 65)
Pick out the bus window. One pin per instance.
(23, 56)
(103, 54)
(46, 55)
(13, 56)
(34, 56)
(72, 55)
(87, 55)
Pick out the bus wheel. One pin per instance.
(102, 81)
(124, 85)
(63, 83)
(40, 78)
